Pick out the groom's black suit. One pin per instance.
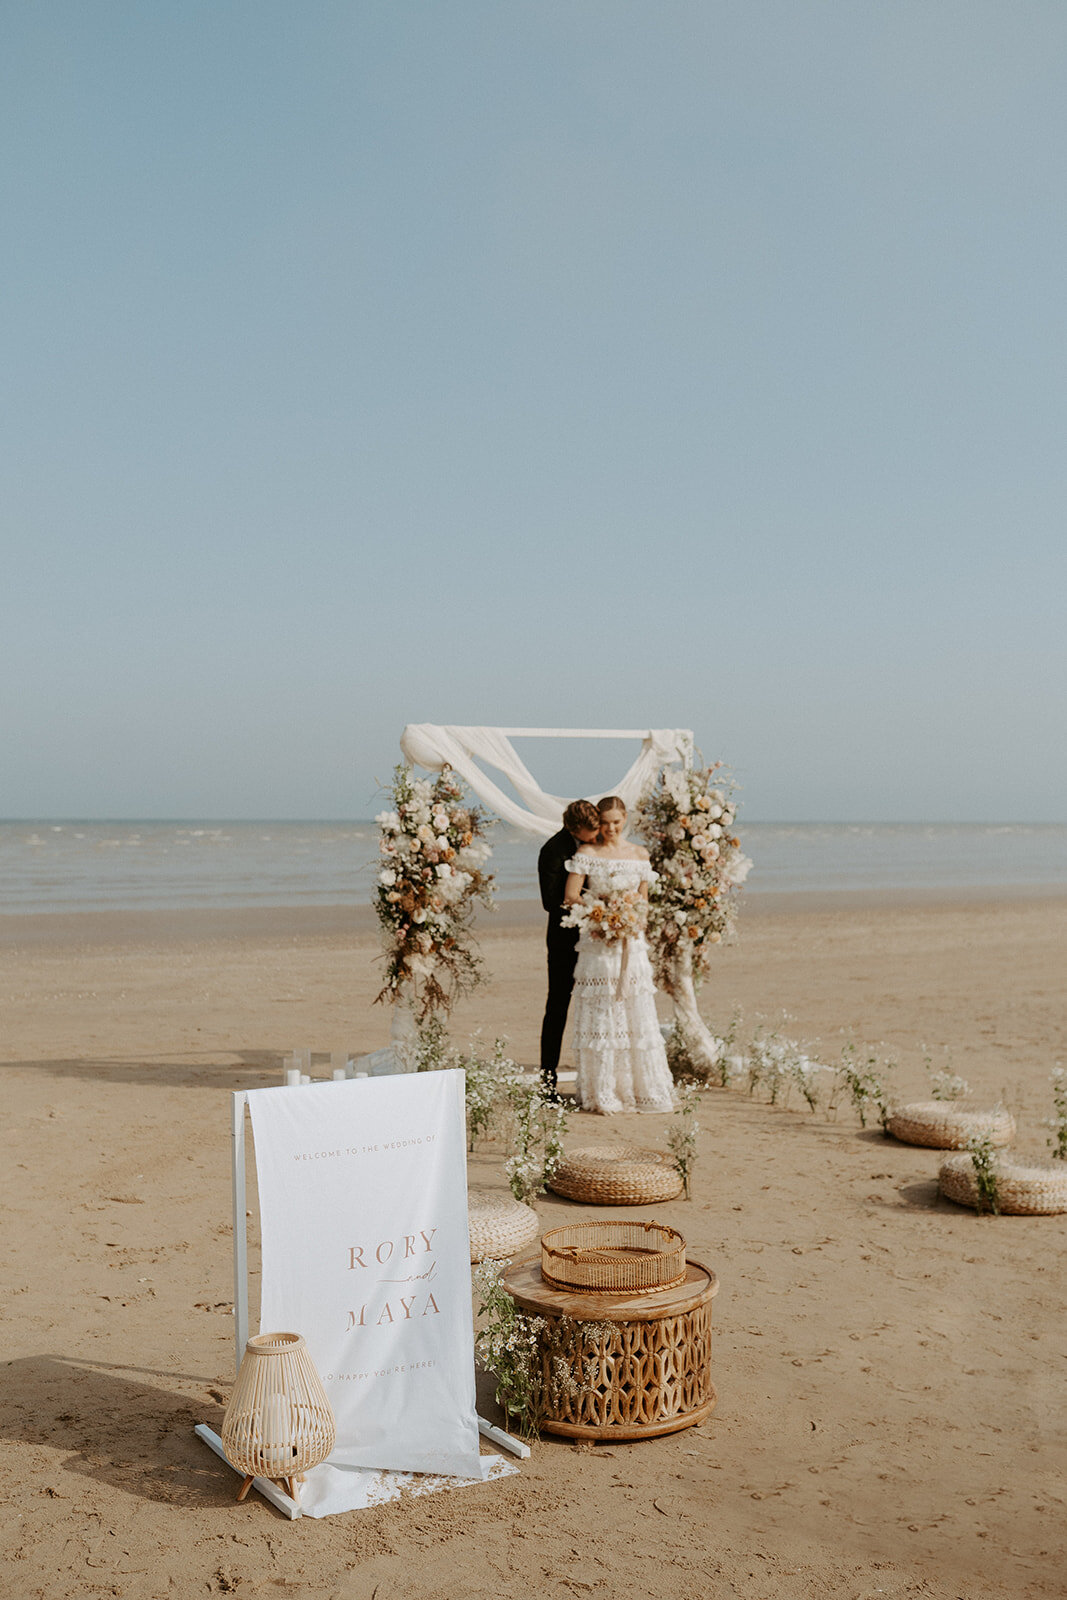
(562, 949)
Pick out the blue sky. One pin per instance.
(591, 364)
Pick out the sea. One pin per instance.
(71, 866)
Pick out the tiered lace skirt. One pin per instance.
(618, 1047)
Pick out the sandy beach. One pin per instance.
(891, 1369)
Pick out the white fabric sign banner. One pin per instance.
(366, 1252)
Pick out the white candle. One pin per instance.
(305, 1077)
(277, 1448)
(338, 1074)
(292, 1077)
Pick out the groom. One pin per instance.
(581, 824)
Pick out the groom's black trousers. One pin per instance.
(562, 957)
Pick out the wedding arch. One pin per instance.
(468, 750)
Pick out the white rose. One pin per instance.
(716, 811)
(444, 870)
(679, 917)
(715, 832)
(387, 879)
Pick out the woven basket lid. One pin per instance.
(947, 1125)
(500, 1226)
(617, 1175)
(1022, 1191)
(613, 1257)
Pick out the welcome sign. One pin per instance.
(363, 1205)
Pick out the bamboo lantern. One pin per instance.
(278, 1422)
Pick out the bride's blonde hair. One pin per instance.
(611, 802)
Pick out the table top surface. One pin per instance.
(525, 1284)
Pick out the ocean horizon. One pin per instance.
(71, 865)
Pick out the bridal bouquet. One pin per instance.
(433, 852)
(618, 915)
(687, 822)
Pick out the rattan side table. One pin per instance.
(649, 1354)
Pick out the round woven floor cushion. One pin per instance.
(943, 1125)
(1021, 1191)
(617, 1175)
(500, 1227)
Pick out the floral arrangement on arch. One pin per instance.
(433, 852)
(687, 822)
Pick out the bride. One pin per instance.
(622, 1064)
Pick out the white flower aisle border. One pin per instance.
(687, 821)
(433, 852)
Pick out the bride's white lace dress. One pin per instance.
(621, 1060)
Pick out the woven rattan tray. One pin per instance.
(945, 1125)
(617, 1175)
(1022, 1191)
(500, 1227)
(613, 1257)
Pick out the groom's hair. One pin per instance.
(581, 814)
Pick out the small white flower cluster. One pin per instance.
(489, 1082)
(777, 1064)
(539, 1123)
(507, 1344)
(687, 821)
(682, 1135)
(948, 1086)
(1057, 1124)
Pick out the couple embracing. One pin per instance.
(594, 886)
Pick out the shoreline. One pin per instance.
(212, 923)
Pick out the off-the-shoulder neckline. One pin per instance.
(612, 861)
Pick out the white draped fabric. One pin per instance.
(429, 745)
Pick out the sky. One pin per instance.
(597, 364)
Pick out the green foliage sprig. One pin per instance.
(1058, 1121)
(536, 1363)
(540, 1122)
(983, 1157)
(682, 1135)
(866, 1085)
